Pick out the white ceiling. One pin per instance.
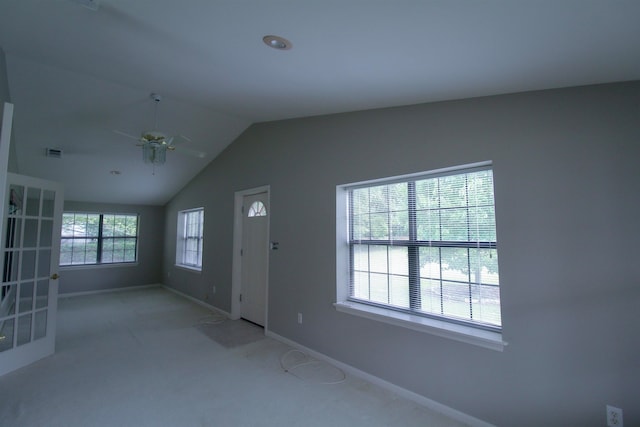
(76, 74)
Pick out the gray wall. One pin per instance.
(149, 266)
(566, 183)
(5, 96)
(4, 79)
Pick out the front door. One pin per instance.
(255, 246)
(30, 255)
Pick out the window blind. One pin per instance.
(428, 246)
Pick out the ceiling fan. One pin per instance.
(155, 143)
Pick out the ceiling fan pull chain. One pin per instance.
(155, 114)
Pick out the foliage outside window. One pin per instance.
(427, 246)
(190, 238)
(90, 238)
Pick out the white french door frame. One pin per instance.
(236, 280)
(35, 348)
(5, 141)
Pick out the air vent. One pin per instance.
(56, 153)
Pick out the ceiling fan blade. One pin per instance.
(190, 152)
(179, 139)
(137, 138)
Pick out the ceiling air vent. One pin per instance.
(56, 153)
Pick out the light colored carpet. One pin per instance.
(138, 358)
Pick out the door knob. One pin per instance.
(55, 276)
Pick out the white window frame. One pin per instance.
(100, 238)
(440, 326)
(182, 237)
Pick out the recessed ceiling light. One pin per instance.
(277, 42)
(114, 172)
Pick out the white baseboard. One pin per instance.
(197, 301)
(103, 291)
(407, 394)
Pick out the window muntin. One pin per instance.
(93, 238)
(427, 246)
(190, 238)
(257, 208)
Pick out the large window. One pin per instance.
(91, 238)
(426, 245)
(189, 239)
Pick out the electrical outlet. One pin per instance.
(614, 416)
(214, 289)
(300, 318)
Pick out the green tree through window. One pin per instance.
(89, 238)
(427, 246)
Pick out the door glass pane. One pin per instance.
(30, 233)
(33, 202)
(46, 233)
(14, 231)
(44, 263)
(40, 326)
(25, 301)
(48, 198)
(16, 196)
(42, 293)
(6, 334)
(11, 264)
(7, 300)
(24, 329)
(257, 209)
(28, 265)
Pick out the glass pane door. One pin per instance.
(30, 251)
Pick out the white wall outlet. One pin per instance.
(614, 416)
(300, 318)
(214, 289)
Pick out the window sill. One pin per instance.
(96, 266)
(466, 334)
(189, 268)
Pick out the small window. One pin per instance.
(91, 238)
(190, 238)
(257, 209)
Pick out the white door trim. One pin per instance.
(5, 141)
(236, 277)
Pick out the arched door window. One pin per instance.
(257, 208)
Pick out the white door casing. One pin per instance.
(5, 140)
(251, 256)
(30, 256)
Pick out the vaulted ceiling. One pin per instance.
(77, 73)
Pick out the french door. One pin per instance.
(30, 256)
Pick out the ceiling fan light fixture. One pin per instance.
(277, 42)
(154, 154)
(154, 136)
